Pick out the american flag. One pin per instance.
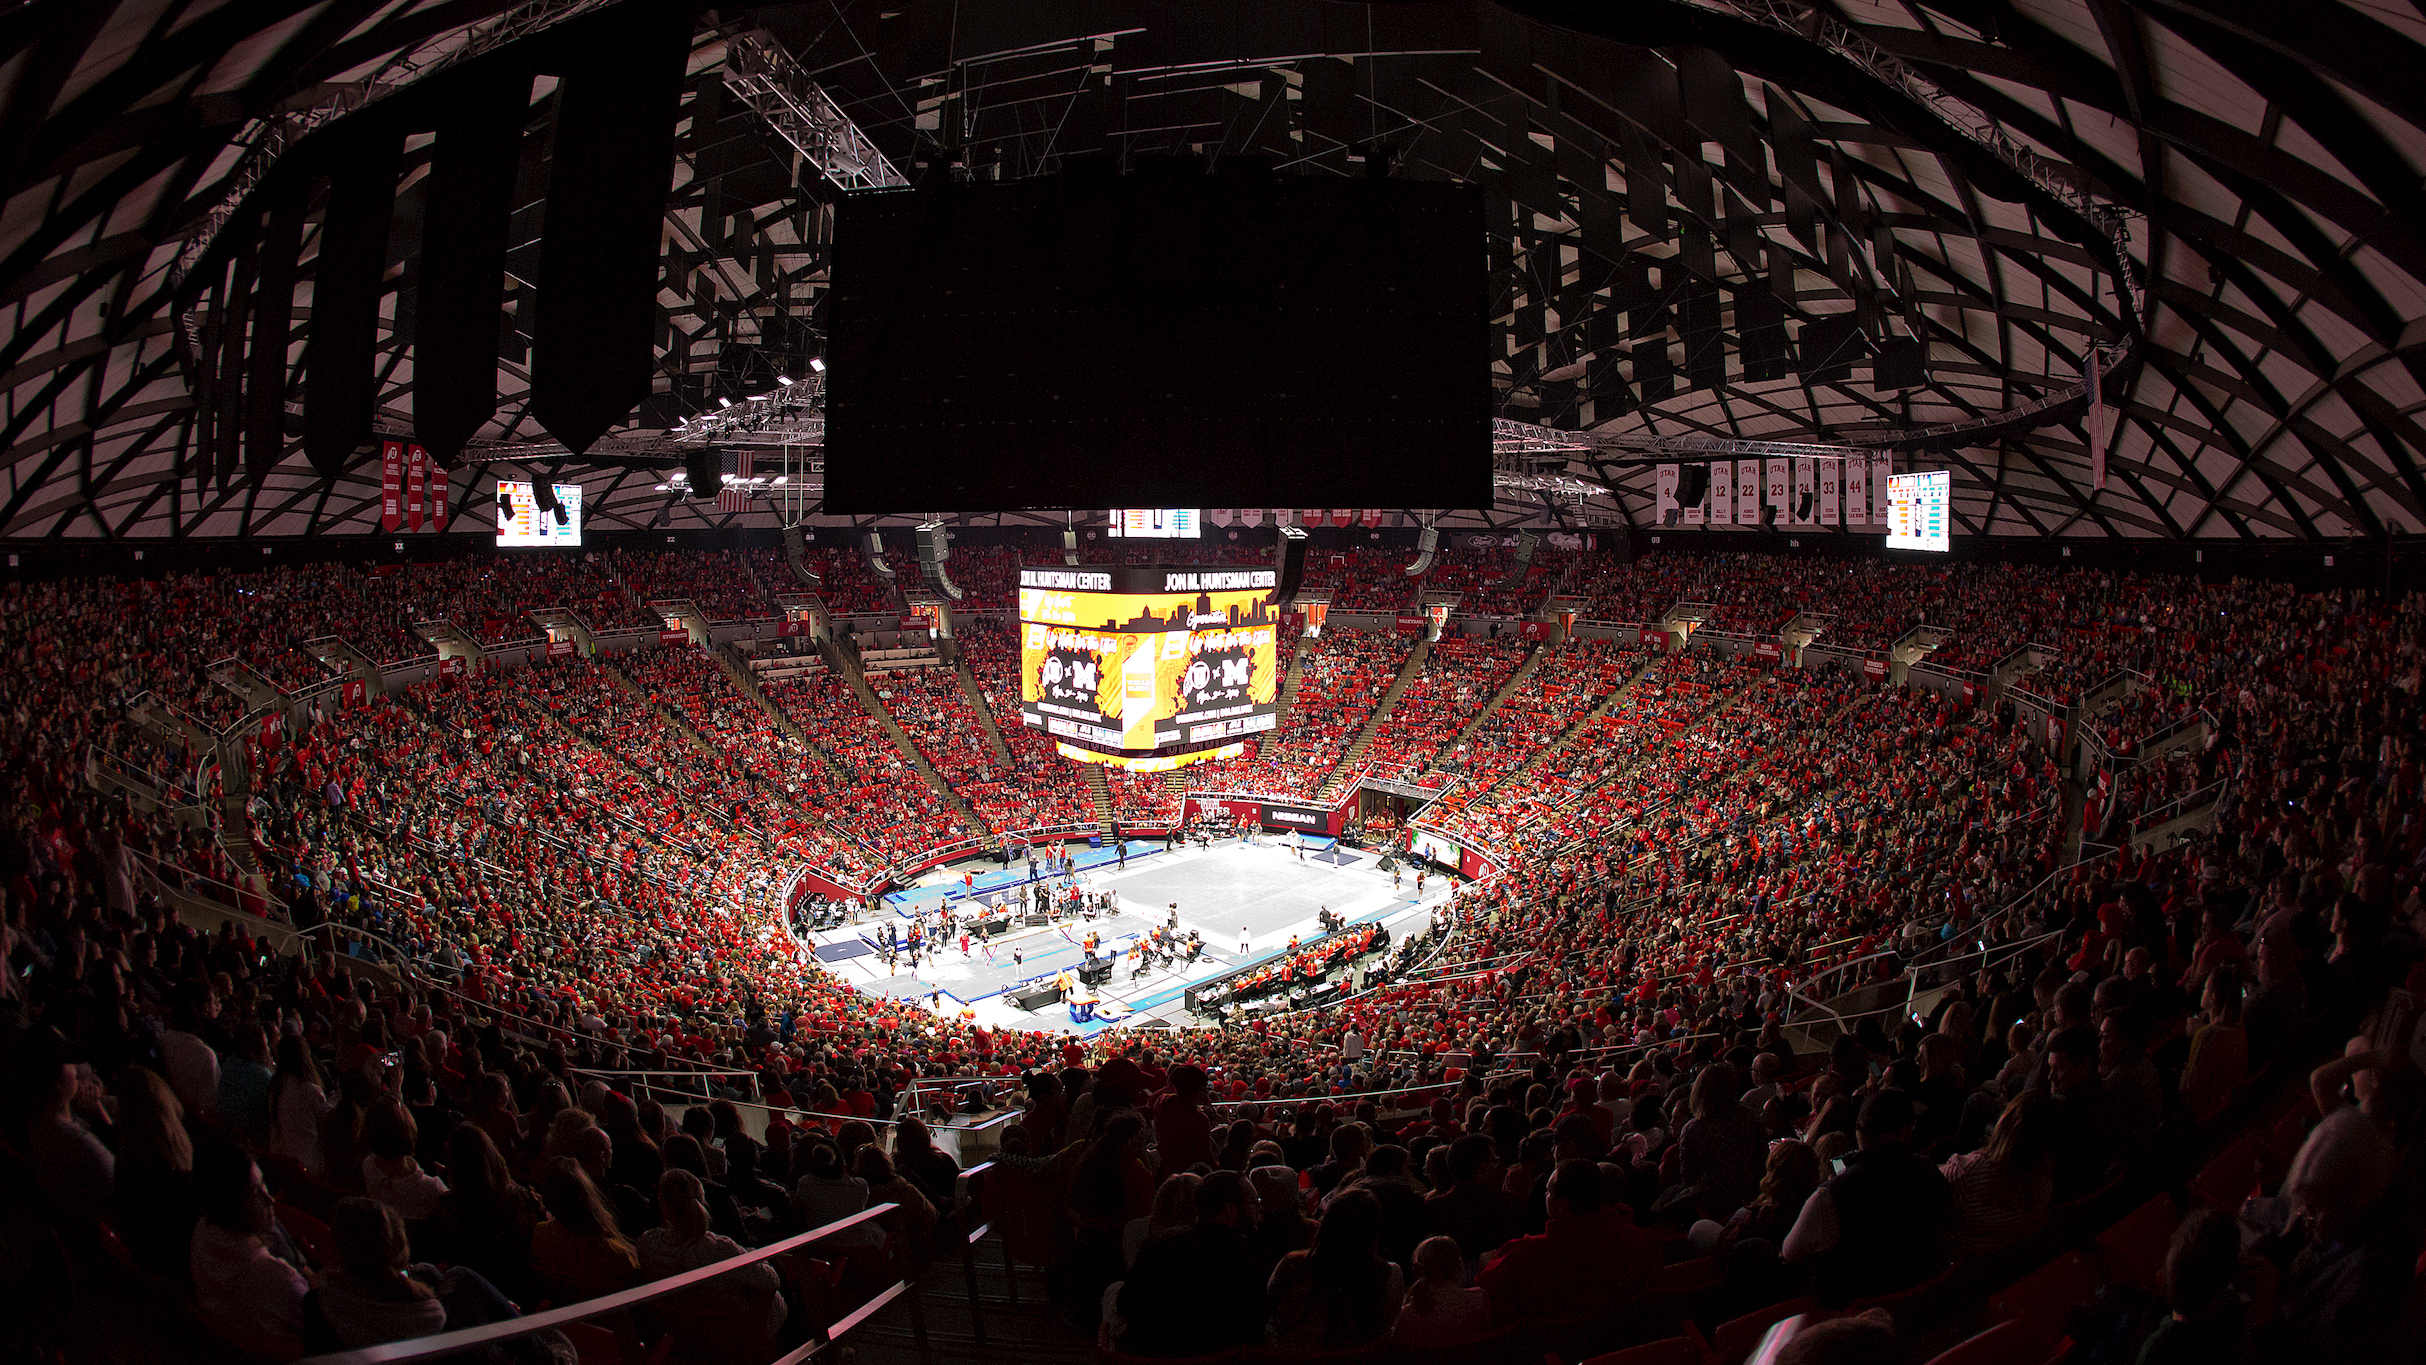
(733, 496)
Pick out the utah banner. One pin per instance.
(391, 485)
(438, 488)
(416, 474)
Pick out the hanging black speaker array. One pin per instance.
(273, 311)
(593, 347)
(871, 551)
(341, 382)
(797, 553)
(1291, 554)
(1692, 484)
(462, 289)
(705, 470)
(934, 547)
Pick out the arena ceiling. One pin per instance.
(1678, 187)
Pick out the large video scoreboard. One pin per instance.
(1148, 665)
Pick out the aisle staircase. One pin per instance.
(235, 808)
(1340, 771)
(999, 747)
(1296, 673)
(1099, 789)
(673, 720)
(1448, 750)
(745, 680)
(1581, 726)
(908, 748)
(766, 600)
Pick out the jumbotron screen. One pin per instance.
(1148, 663)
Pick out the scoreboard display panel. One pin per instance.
(1917, 511)
(1138, 662)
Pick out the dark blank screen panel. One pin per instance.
(1159, 341)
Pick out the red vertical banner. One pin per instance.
(438, 489)
(391, 484)
(416, 472)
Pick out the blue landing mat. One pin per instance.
(924, 899)
(1336, 857)
(902, 988)
(843, 950)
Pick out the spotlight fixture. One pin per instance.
(784, 379)
(723, 402)
(817, 364)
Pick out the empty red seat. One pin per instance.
(2134, 1249)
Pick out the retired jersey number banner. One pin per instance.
(1138, 661)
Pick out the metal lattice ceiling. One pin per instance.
(1936, 170)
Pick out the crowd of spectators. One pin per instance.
(1343, 676)
(897, 811)
(1606, 1081)
(932, 710)
(492, 597)
(1458, 678)
(1570, 680)
(1636, 591)
(1480, 579)
(721, 583)
(1361, 579)
(845, 583)
(1151, 800)
(1057, 792)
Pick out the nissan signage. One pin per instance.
(1297, 817)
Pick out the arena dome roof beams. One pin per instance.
(1681, 186)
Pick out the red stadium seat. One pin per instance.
(2134, 1249)
(2227, 1181)
(2046, 1298)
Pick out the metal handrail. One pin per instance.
(2211, 794)
(191, 876)
(445, 1343)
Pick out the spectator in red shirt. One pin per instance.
(1183, 1125)
(1589, 1254)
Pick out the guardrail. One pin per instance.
(2210, 795)
(479, 1338)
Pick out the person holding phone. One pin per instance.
(1879, 1224)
